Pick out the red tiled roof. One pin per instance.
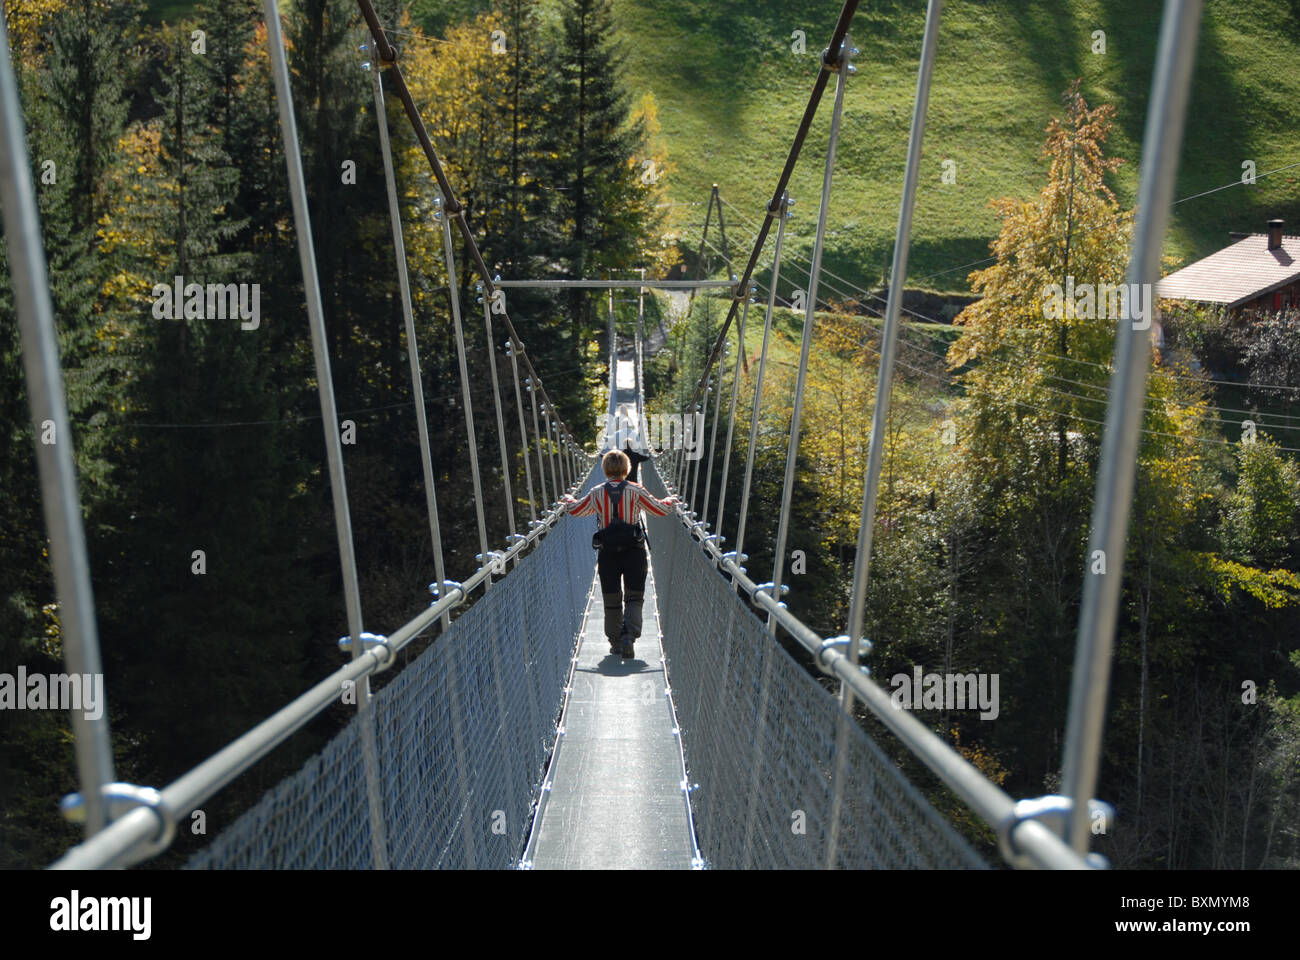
(1236, 274)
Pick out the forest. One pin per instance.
(157, 156)
(205, 435)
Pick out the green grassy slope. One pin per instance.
(730, 93)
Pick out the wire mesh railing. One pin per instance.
(759, 737)
(463, 734)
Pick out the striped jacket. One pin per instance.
(634, 498)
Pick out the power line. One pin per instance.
(1057, 413)
(1078, 397)
(1125, 215)
(921, 329)
(794, 255)
(261, 423)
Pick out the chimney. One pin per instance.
(1275, 234)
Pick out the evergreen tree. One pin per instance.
(230, 27)
(78, 112)
(523, 239)
(593, 147)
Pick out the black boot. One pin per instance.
(613, 620)
(632, 621)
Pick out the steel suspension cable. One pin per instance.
(699, 461)
(413, 349)
(792, 453)
(537, 435)
(830, 64)
(56, 466)
(880, 409)
(523, 434)
(1161, 143)
(731, 421)
(329, 413)
(550, 452)
(560, 465)
(704, 233)
(453, 290)
(640, 363)
(688, 445)
(713, 443)
(501, 425)
(611, 426)
(783, 213)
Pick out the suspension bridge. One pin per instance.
(514, 740)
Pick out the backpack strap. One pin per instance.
(616, 502)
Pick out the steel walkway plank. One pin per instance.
(615, 799)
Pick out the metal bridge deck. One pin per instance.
(616, 799)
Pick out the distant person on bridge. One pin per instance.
(622, 562)
(635, 459)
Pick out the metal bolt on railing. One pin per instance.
(450, 586)
(495, 559)
(831, 643)
(371, 641)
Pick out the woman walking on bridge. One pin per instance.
(623, 562)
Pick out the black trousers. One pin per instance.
(622, 577)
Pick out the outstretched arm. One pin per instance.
(660, 508)
(581, 508)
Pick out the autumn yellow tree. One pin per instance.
(26, 22)
(1035, 373)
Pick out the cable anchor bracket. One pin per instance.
(1053, 811)
(372, 641)
(121, 799)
